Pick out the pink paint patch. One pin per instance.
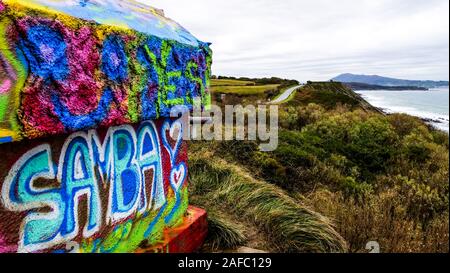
(2, 6)
(41, 122)
(4, 246)
(5, 86)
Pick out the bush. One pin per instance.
(381, 218)
(351, 188)
(368, 142)
(289, 226)
(404, 124)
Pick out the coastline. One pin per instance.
(429, 121)
(438, 120)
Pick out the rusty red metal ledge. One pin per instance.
(186, 238)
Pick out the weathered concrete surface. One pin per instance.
(73, 65)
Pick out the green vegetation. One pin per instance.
(289, 226)
(232, 91)
(245, 90)
(224, 82)
(259, 81)
(223, 233)
(342, 170)
(329, 95)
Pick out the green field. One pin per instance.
(240, 87)
(244, 90)
(230, 83)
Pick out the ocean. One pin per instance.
(432, 105)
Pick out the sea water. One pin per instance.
(432, 105)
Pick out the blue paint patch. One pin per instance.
(154, 45)
(83, 3)
(126, 173)
(149, 102)
(148, 144)
(133, 14)
(45, 50)
(129, 187)
(149, 95)
(5, 140)
(158, 217)
(114, 59)
(122, 148)
(80, 122)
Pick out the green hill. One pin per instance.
(343, 174)
(330, 94)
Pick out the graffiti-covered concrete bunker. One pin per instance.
(90, 160)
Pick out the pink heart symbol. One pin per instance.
(176, 134)
(178, 176)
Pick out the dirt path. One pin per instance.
(285, 95)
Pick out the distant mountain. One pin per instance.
(365, 86)
(384, 81)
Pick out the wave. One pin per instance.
(438, 120)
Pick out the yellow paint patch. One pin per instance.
(8, 133)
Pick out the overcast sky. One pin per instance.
(319, 39)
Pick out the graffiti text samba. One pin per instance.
(86, 167)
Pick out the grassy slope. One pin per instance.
(335, 151)
(287, 225)
(248, 91)
(329, 94)
(273, 220)
(234, 92)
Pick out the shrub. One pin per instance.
(403, 123)
(367, 142)
(381, 218)
(351, 188)
(289, 226)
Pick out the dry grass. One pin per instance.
(223, 233)
(290, 226)
(383, 219)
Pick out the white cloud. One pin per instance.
(319, 39)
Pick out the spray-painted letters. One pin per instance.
(97, 181)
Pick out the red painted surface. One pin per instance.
(186, 238)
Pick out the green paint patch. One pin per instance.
(3, 106)
(146, 229)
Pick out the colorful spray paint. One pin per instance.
(82, 75)
(90, 160)
(94, 191)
